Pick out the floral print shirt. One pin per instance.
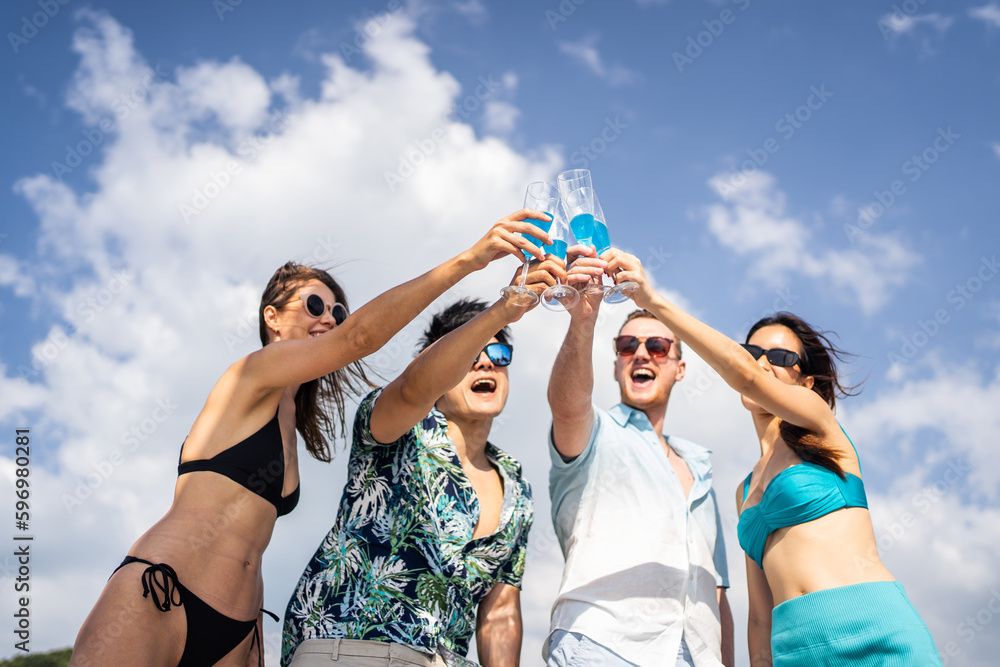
(400, 564)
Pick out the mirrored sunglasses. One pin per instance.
(500, 354)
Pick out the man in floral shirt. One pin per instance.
(430, 539)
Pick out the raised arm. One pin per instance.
(292, 362)
(408, 398)
(793, 403)
(571, 383)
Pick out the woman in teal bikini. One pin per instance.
(819, 595)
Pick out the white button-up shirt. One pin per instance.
(642, 561)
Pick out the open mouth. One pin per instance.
(484, 386)
(643, 376)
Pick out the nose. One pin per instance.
(641, 352)
(327, 318)
(483, 361)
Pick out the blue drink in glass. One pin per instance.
(601, 240)
(583, 227)
(543, 225)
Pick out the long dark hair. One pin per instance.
(817, 359)
(316, 399)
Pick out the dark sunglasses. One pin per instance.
(499, 353)
(316, 306)
(775, 356)
(656, 346)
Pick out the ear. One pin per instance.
(808, 381)
(681, 370)
(271, 317)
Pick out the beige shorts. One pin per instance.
(357, 653)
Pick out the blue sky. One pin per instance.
(836, 160)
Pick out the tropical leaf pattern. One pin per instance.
(400, 564)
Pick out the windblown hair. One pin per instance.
(319, 404)
(818, 360)
(636, 314)
(453, 317)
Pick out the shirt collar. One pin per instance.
(689, 451)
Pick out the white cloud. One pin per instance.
(500, 117)
(988, 14)
(996, 148)
(585, 51)
(901, 24)
(473, 10)
(753, 221)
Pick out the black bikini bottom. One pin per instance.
(211, 635)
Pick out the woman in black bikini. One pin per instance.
(204, 556)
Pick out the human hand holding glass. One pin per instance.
(621, 291)
(542, 197)
(559, 296)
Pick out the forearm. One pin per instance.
(382, 318)
(446, 362)
(498, 641)
(571, 384)
(726, 620)
(721, 352)
(759, 644)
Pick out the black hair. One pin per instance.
(818, 360)
(453, 317)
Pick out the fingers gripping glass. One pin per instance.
(539, 197)
(500, 354)
(316, 306)
(775, 356)
(656, 346)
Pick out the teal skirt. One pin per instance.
(860, 625)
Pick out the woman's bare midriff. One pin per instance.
(837, 549)
(214, 536)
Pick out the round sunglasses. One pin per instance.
(316, 306)
(776, 356)
(656, 346)
(500, 354)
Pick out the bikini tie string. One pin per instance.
(166, 585)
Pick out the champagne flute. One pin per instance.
(580, 209)
(542, 197)
(620, 292)
(559, 296)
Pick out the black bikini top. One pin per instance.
(258, 463)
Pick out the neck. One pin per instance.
(768, 431)
(469, 436)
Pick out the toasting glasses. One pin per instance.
(590, 226)
(559, 297)
(540, 197)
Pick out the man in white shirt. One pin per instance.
(634, 511)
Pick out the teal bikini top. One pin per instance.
(799, 493)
